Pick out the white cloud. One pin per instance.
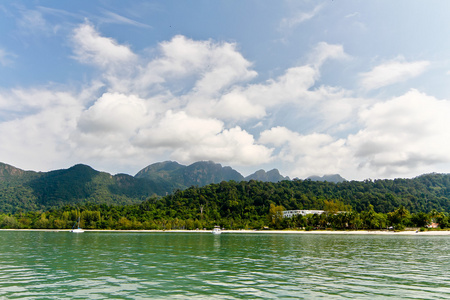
(253, 100)
(289, 87)
(191, 138)
(114, 112)
(212, 66)
(392, 72)
(35, 100)
(38, 137)
(295, 85)
(314, 153)
(178, 130)
(91, 48)
(232, 146)
(398, 137)
(324, 51)
(225, 67)
(403, 134)
(235, 106)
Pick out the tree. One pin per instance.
(400, 217)
(443, 219)
(276, 215)
(334, 206)
(8, 222)
(420, 219)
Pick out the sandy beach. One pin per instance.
(331, 232)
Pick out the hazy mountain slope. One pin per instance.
(168, 174)
(9, 173)
(179, 176)
(270, 176)
(330, 178)
(206, 172)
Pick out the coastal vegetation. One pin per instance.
(153, 217)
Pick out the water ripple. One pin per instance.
(198, 266)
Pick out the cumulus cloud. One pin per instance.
(308, 154)
(22, 102)
(236, 106)
(39, 135)
(114, 112)
(91, 48)
(234, 146)
(292, 86)
(403, 134)
(212, 66)
(392, 72)
(398, 137)
(177, 130)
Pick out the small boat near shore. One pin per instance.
(216, 230)
(78, 229)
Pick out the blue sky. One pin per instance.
(357, 88)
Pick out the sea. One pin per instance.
(194, 265)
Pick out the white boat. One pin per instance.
(78, 229)
(216, 230)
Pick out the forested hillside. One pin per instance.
(31, 191)
(252, 199)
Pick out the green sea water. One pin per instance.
(105, 265)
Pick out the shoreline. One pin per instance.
(320, 232)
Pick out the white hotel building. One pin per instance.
(291, 213)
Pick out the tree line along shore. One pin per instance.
(147, 216)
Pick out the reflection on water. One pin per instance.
(100, 265)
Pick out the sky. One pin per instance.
(356, 88)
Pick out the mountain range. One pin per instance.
(29, 190)
(202, 173)
(24, 191)
(329, 177)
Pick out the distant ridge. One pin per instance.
(271, 176)
(197, 174)
(336, 178)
